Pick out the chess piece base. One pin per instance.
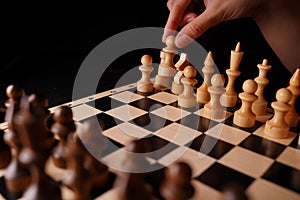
(275, 132)
(243, 121)
(177, 88)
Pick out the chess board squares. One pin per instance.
(210, 146)
(228, 134)
(125, 133)
(178, 134)
(262, 189)
(290, 157)
(150, 122)
(229, 122)
(84, 111)
(147, 104)
(262, 146)
(164, 97)
(171, 113)
(126, 112)
(105, 121)
(205, 192)
(197, 122)
(105, 103)
(294, 143)
(247, 162)
(199, 162)
(284, 141)
(284, 175)
(218, 176)
(201, 113)
(126, 97)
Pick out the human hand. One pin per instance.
(188, 13)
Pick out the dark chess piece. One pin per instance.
(234, 191)
(77, 177)
(62, 127)
(90, 133)
(35, 153)
(5, 153)
(177, 184)
(132, 185)
(17, 177)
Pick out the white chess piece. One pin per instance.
(145, 84)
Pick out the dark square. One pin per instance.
(105, 121)
(296, 129)
(210, 146)
(197, 122)
(2, 115)
(229, 122)
(105, 103)
(158, 147)
(150, 122)
(262, 146)
(147, 104)
(112, 147)
(283, 175)
(218, 176)
(294, 143)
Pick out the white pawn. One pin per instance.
(187, 99)
(213, 109)
(277, 126)
(145, 84)
(244, 117)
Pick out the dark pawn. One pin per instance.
(177, 185)
(77, 177)
(62, 127)
(5, 154)
(234, 191)
(132, 185)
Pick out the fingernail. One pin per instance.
(182, 40)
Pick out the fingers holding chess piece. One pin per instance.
(244, 117)
(277, 127)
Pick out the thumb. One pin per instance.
(197, 27)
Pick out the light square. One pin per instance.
(126, 97)
(227, 133)
(262, 189)
(199, 162)
(290, 157)
(247, 162)
(178, 134)
(84, 111)
(205, 192)
(170, 113)
(126, 112)
(164, 97)
(201, 113)
(125, 133)
(284, 141)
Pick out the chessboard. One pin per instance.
(218, 152)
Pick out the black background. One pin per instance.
(43, 43)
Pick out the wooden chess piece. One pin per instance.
(187, 99)
(77, 177)
(234, 191)
(213, 109)
(292, 117)
(131, 184)
(145, 84)
(17, 177)
(203, 95)
(35, 153)
(177, 86)
(63, 126)
(5, 153)
(92, 137)
(260, 105)
(229, 98)
(244, 117)
(277, 126)
(177, 184)
(166, 68)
